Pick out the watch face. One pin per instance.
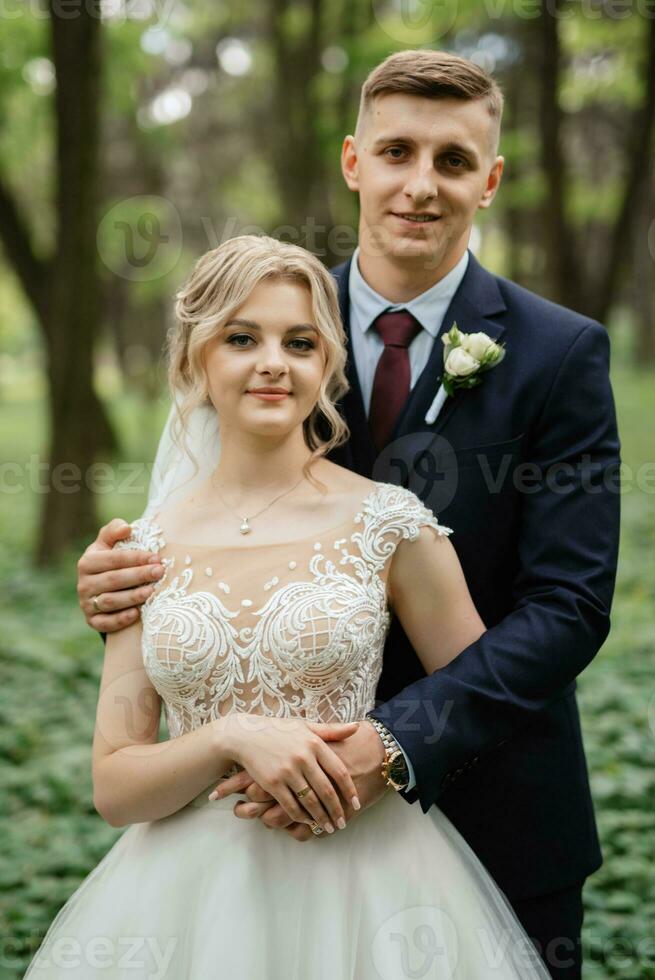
(397, 769)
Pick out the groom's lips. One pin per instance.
(410, 219)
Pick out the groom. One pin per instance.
(523, 466)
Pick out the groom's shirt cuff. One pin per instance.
(410, 768)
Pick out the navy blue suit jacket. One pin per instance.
(524, 468)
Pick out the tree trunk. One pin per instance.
(639, 150)
(71, 318)
(511, 214)
(296, 138)
(562, 273)
(643, 291)
(592, 295)
(63, 290)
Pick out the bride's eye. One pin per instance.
(236, 337)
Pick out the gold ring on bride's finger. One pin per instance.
(315, 828)
(303, 792)
(96, 604)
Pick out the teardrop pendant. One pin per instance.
(245, 527)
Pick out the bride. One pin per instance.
(264, 643)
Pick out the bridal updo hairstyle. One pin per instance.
(219, 285)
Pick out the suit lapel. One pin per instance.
(477, 298)
(361, 443)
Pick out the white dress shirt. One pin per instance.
(366, 305)
(428, 308)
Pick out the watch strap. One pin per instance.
(391, 747)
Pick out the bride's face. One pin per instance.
(264, 369)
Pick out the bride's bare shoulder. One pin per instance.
(341, 480)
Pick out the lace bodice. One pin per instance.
(293, 629)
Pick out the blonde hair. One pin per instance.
(219, 285)
(433, 75)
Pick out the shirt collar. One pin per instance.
(428, 307)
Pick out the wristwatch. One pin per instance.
(394, 767)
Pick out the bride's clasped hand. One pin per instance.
(285, 756)
(362, 755)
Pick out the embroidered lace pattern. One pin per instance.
(294, 629)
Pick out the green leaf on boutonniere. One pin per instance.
(452, 385)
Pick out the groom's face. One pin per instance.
(422, 168)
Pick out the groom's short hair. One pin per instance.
(433, 75)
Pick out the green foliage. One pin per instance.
(605, 55)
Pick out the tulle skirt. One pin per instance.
(203, 894)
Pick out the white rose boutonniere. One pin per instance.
(460, 363)
(466, 357)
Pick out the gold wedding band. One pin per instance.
(315, 828)
(303, 792)
(96, 605)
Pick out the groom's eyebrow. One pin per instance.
(451, 146)
(252, 325)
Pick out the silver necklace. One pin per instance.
(245, 527)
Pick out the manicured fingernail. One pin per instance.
(329, 828)
(341, 823)
(213, 796)
(356, 804)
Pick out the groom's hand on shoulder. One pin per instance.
(120, 580)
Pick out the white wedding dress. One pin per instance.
(289, 629)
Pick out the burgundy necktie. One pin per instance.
(393, 374)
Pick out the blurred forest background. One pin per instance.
(135, 135)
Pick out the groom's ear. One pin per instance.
(349, 163)
(493, 183)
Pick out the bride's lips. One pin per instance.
(270, 394)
